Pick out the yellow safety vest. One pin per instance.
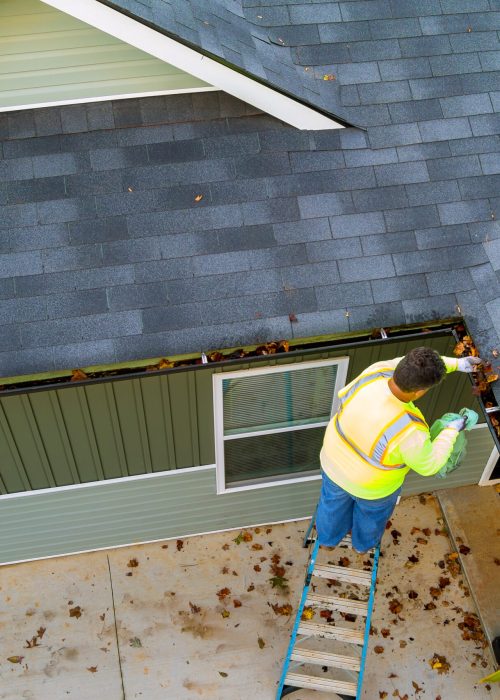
(360, 438)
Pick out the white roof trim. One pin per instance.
(156, 44)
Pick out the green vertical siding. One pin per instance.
(171, 505)
(48, 56)
(85, 433)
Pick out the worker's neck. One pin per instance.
(404, 396)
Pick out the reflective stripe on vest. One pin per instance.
(387, 435)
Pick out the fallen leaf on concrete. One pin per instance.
(194, 608)
(395, 606)
(223, 593)
(75, 612)
(244, 536)
(444, 581)
(279, 582)
(412, 595)
(435, 592)
(135, 642)
(385, 632)
(285, 609)
(414, 530)
(438, 663)
(225, 613)
(418, 689)
(250, 588)
(427, 531)
(344, 561)
(30, 643)
(237, 603)
(429, 606)
(379, 650)
(261, 643)
(308, 613)
(402, 644)
(257, 546)
(133, 563)
(15, 659)
(382, 694)
(257, 568)
(180, 545)
(421, 540)
(413, 559)
(40, 632)
(497, 561)
(223, 674)
(225, 570)
(225, 547)
(463, 549)
(92, 669)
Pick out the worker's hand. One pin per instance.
(458, 424)
(468, 364)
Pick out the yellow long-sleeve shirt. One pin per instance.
(373, 407)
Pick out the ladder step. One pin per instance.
(320, 629)
(335, 602)
(322, 658)
(343, 574)
(346, 542)
(298, 680)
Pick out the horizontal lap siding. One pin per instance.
(47, 56)
(171, 506)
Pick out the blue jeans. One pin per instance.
(339, 512)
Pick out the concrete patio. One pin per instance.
(180, 620)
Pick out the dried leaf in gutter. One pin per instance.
(77, 375)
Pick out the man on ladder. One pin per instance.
(376, 437)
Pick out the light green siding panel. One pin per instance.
(48, 56)
(158, 507)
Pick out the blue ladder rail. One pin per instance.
(283, 689)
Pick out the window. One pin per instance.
(270, 422)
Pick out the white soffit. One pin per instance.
(153, 42)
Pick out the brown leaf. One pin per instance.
(344, 561)
(75, 612)
(77, 375)
(194, 608)
(30, 643)
(418, 689)
(257, 568)
(438, 663)
(180, 545)
(459, 349)
(92, 669)
(261, 643)
(444, 581)
(382, 694)
(414, 530)
(224, 570)
(250, 588)
(40, 632)
(223, 674)
(15, 659)
(223, 593)
(413, 559)
(463, 549)
(385, 632)
(435, 592)
(198, 198)
(395, 606)
(225, 547)
(285, 609)
(237, 603)
(429, 606)
(379, 650)
(257, 546)
(421, 540)
(225, 613)
(427, 531)
(395, 534)
(133, 563)
(412, 595)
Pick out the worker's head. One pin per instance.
(418, 371)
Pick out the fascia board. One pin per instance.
(146, 39)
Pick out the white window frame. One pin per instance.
(342, 364)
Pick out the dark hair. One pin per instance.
(421, 368)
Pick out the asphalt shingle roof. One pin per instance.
(107, 253)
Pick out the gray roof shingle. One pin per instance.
(154, 226)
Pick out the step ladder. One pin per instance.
(351, 665)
